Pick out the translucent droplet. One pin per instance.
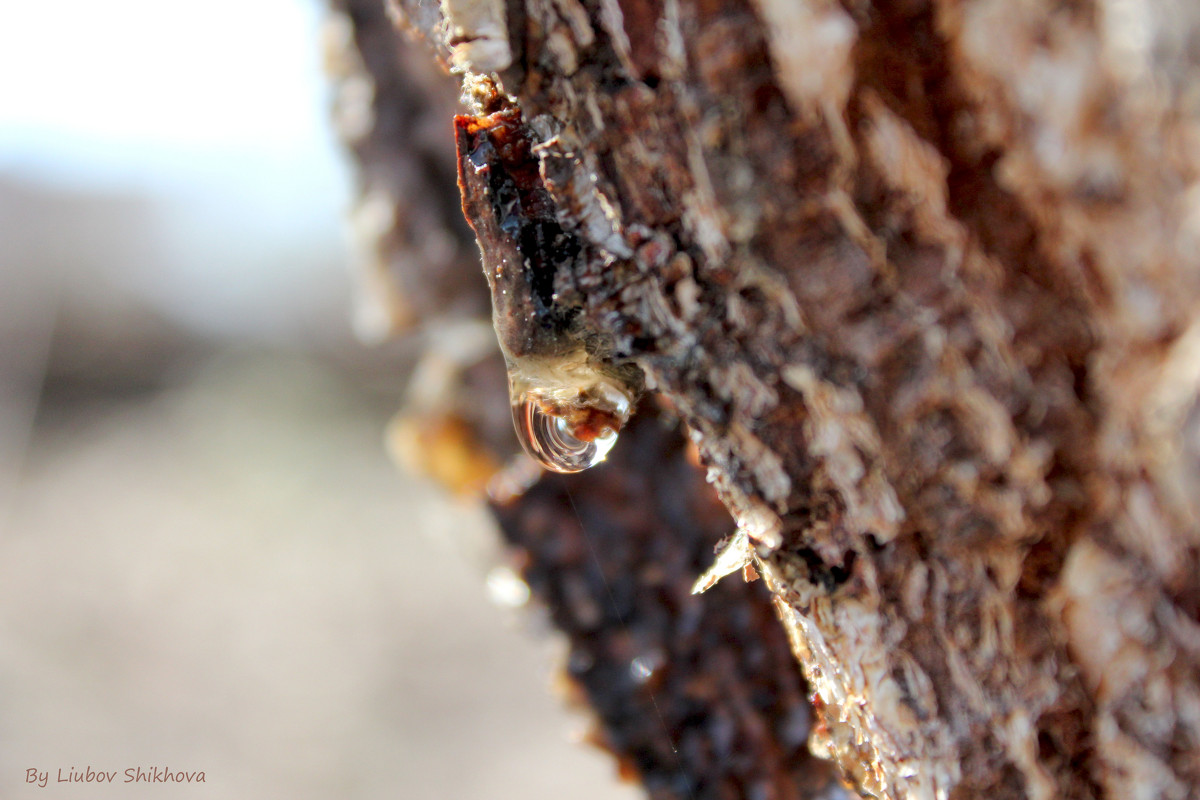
(643, 667)
(556, 442)
(640, 670)
(506, 588)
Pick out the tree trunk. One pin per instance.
(920, 279)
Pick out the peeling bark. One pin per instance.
(921, 280)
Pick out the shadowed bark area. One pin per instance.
(697, 696)
(921, 281)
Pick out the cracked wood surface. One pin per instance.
(921, 280)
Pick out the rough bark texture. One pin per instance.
(921, 280)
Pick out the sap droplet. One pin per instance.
(561, 442)
(506, 588)
(643, 667)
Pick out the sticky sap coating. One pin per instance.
(567, 404)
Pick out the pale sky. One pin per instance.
(219, 110)
(124, 83)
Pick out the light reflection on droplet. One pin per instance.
(506, 588)
(644, 666)
(550, 440)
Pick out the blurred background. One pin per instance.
(207, 561)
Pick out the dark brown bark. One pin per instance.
(921, 281)
(697, 696)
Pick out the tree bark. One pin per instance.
(920, 279)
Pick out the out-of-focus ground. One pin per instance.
(206, 560)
